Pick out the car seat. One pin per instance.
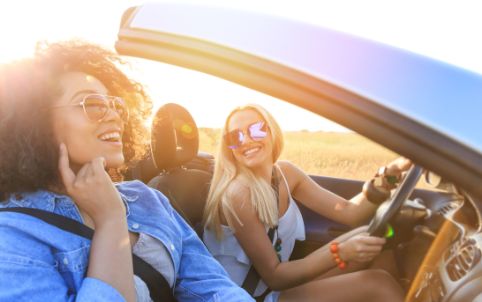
(184, 175)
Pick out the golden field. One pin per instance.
(346, 155)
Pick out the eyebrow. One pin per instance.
(85, 91)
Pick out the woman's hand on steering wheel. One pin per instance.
(361, 248)
(390, 208)
(398, 167)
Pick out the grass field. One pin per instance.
(346, 155)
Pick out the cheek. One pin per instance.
(236, 154)
(269, 150)
(73, 132)
(269, 146)
(58, 129)
(65, 131)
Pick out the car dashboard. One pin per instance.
(451, 269)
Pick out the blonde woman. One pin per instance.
(252, 192)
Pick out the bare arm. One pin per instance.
(95, 194)
(251, 235)
(324, 202)
(354, 246)
(353, 212)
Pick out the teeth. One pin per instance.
(110, 135)
(251, 151)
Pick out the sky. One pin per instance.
(449, 31)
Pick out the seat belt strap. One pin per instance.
(159, 288)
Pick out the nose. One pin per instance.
(112, 114)
(246, 138)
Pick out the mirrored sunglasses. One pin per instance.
(96, 106)
(256, 131)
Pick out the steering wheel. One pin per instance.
(389, 208)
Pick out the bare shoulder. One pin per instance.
(286, 166)
(238, 207)
(237, 188)
(291, 171)
(238, 195)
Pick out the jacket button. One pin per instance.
(135, 226)
(66, 261)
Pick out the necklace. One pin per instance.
(275, 185)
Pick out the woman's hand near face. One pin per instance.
(91, 189)
(95, 194)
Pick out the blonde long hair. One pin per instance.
(227, 169)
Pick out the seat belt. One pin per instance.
(159, 288)
(252, 278)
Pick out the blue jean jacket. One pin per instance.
(39, 262)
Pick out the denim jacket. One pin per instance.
(39, 262)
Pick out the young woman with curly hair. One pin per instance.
(69, 121)
(252, 192)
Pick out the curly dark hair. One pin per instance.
(28, 151)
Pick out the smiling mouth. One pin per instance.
(111, 137)
(251, 151)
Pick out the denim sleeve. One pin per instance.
(93, 289)
(201, 277)
(29, 270)
(33, 282)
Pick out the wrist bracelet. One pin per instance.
(334, 249)
(374, 194)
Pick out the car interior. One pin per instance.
(184, 176)
(433, 233)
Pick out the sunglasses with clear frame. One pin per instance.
(96, 106)
(256, 131)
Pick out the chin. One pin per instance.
(252, 165)
(113, 163)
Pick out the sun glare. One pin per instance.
(23, 23)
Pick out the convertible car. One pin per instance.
(425, 110)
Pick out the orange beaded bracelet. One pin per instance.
(334, 250)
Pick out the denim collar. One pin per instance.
(42, 199)
(47, 200)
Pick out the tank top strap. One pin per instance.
(285, 181)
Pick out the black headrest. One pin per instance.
(174, 137)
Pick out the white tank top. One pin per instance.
(233, 258)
